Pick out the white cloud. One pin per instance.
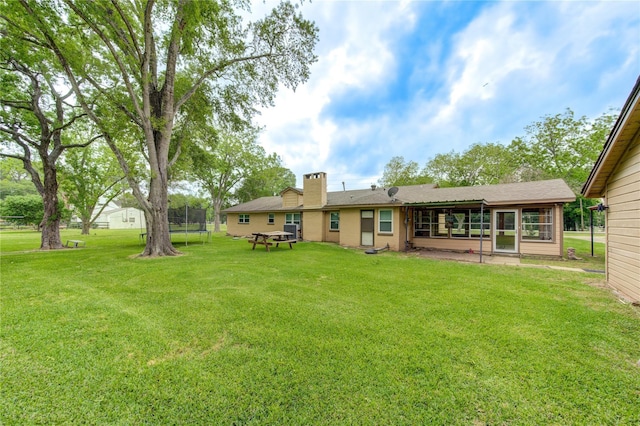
(354, 55)
(511, 64)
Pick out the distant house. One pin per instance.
(517, 218)
(115, 217)
(615, 178)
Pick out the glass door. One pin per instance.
(505, 234)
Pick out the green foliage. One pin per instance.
(22, 209)
(339, 338)
(28, 210)
(179, 200)
(268, 178)
(398, 172)
(481, 164)
(88, 175)
(14, 180)
(562, 146)
(134, 64)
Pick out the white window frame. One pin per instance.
(532, 227)
(290, 218)
(381, 221)
(243, 218)
(333, 221)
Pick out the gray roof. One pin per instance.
(538, 192)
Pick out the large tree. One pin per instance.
(562, 146)
(148, 58)
(33, 120)
(481, 164)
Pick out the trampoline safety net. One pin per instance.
(187, 220)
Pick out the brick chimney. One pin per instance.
(315, 190)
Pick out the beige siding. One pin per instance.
(291, 199)
(623, 224)
(453, 244)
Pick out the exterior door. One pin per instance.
(367, 226)
(505, 231)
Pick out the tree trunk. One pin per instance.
(158, 236)
(216, 215)
(50, 225)
(86, 226)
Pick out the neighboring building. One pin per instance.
(516, 218)
(114, 217)
(615, 178)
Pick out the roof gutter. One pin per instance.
(620, 124)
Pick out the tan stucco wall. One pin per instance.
(329, 235)
(350, 235)
(314, 225)
(350, 227)
(257, 223)
(623, 224)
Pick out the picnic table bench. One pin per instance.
(276, 238)
(75, 243)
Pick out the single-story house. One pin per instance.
(515, 218)
(615, 178)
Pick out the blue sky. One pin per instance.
(414, 79)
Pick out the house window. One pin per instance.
(458, 223)
(271, 218)
(334, 221)
(537, 224)
(292, 218)
(132, 219)
(474, 223)
(243, 218)
(431, 223)
(385, 221)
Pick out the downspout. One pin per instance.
(481, 227)
(406, 229)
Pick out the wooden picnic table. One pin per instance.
(276, 238)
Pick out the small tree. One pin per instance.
(398, 172)
(221, 160)
(89, 175)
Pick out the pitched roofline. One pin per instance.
(592, 188)
(291, 188)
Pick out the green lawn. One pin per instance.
(583, 252)
(315, 335)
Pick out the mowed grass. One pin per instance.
(315, 335)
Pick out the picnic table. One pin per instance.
(268, 239)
